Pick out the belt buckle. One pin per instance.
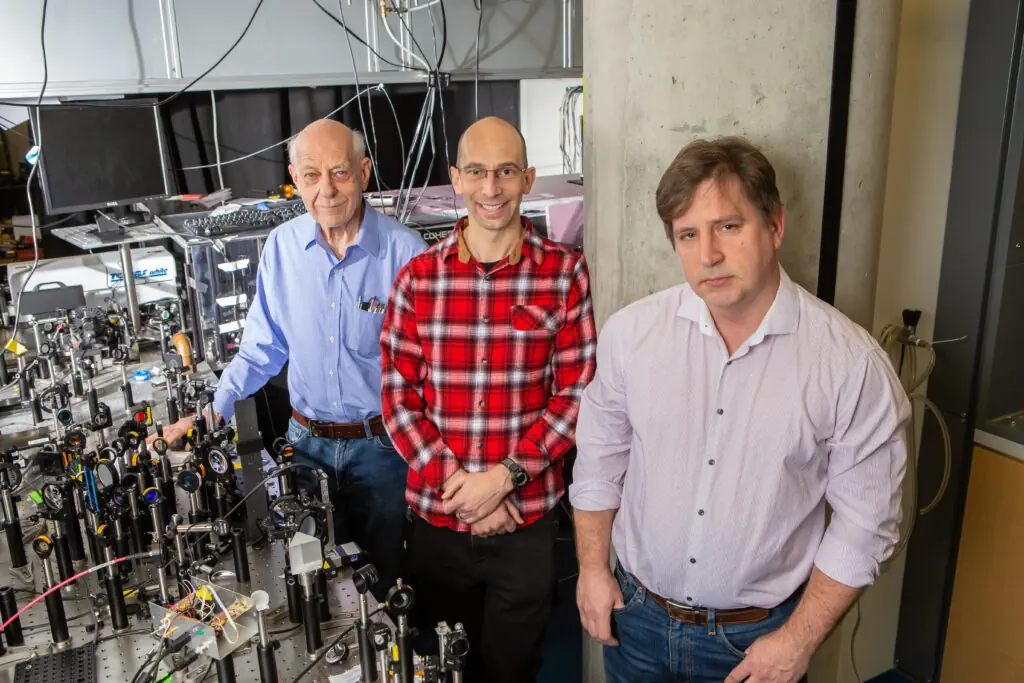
(314, 426)
(685, 609)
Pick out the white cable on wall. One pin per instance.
(216, 139)
(403, 48)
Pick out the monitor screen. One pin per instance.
(100, 157)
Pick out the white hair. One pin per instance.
(358, 146)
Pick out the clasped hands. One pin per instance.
(480, 499)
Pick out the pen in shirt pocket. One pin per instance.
(371, 305)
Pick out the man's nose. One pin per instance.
(491, 187)
(710, 251)
(327, 188)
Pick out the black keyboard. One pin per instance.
(245, 219)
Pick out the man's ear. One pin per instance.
(778, 227)
(365, 168)
(456, 177)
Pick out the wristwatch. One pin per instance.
(520, 477)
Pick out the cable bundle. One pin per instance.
(570, 134)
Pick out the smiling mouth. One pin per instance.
(492, 208)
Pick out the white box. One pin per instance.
(101, 277)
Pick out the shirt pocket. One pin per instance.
(363, 335)
(535, 321)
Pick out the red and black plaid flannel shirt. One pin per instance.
(478, 366)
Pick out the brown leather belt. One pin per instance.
(341, 430)
(699, 615)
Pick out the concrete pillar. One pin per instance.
(660, 73)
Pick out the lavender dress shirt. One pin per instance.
(720, 467)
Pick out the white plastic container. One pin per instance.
(142, 388)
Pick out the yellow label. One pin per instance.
(16, 347)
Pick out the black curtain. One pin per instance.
(249, 120)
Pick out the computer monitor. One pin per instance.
(100, 157)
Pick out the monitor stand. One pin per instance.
(114, 226)
(117, 220)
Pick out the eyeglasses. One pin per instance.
(508, 173)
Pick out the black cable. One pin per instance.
(128, 103)
(444, 31)
(320, 656)
(476, 72)
(367, 45)
(359, 101)
(401, 19)
(218, 62)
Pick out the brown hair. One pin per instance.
(717, 159)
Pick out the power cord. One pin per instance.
(903, 339)
(31, 176)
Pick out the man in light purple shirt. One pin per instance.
(725, 414)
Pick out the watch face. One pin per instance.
(219, 461)
(53, 496)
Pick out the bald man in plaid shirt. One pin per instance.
(487, 345)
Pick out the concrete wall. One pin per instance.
(660, 73)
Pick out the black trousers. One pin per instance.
(500, 588)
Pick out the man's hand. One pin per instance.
(778, 657)
(503, 520)
(597, 593)
(476, 495)
(174, 431)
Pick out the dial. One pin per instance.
(118, 497)
(219, 461)
(106, 475)
(43, 546)
(75, 440)
(11, 474)
(152, 495)
(189, 480)
(53, 496)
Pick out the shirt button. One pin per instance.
(486, 319)
(711, 461)
(331, 373)
(483, 360)
(689, 599)
(700, 512)
(719, 411)
(332, 338)
(693, 560)
(481, 404)
(332, 304)
(335, 404)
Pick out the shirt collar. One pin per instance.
(529, 243)
(367, 239)
(782, 317)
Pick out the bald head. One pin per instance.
(330, 170)
(492, 133)
(331, 133)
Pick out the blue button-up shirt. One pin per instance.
(323, 316)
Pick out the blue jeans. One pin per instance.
(366, 479)
(655, 648)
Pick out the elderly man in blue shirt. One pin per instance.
(322, 287)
